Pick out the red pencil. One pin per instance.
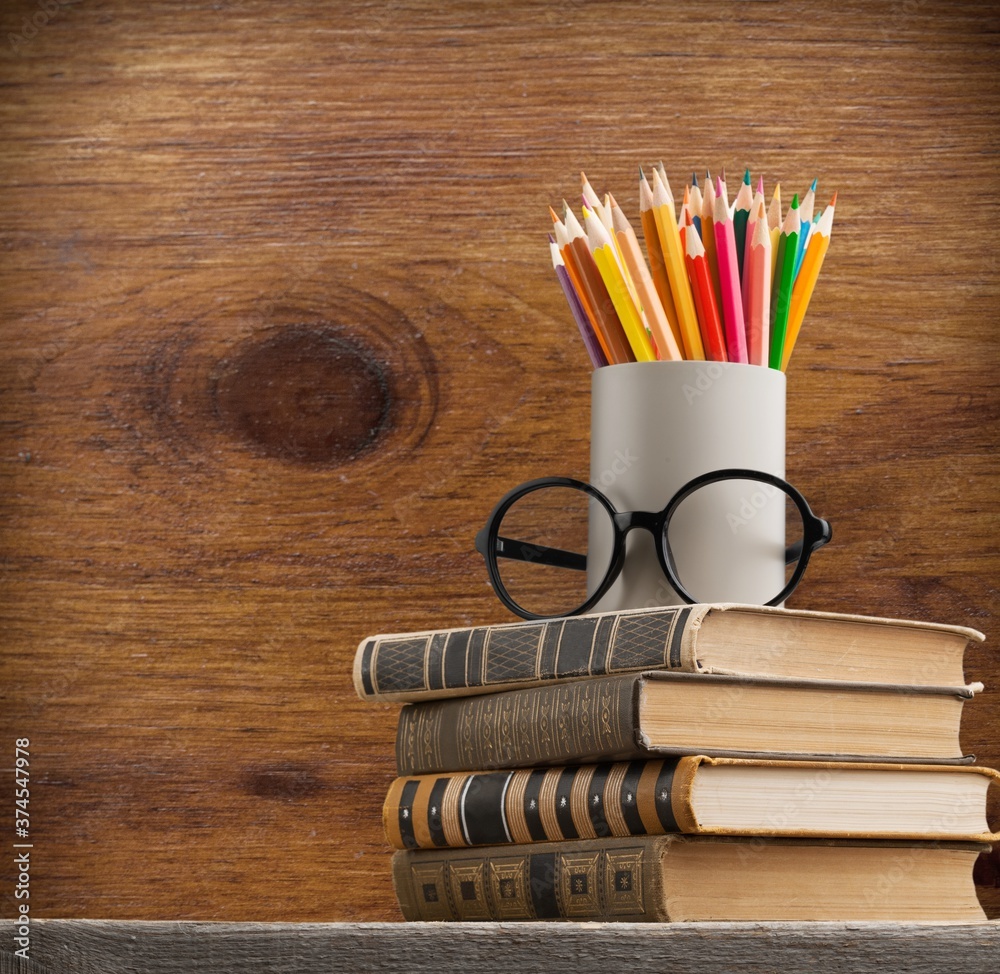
(704, 296)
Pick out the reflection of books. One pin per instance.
(749, 640)
(696, 794)
(614, 718)
(698, 878)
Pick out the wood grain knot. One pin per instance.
(282, 781)
(317, 394)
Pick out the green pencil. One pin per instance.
(741, 214)
(784, 277)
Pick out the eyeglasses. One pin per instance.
(554, 546)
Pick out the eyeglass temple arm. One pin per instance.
(794, 551)
(540, 554)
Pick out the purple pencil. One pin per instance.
(593, 346)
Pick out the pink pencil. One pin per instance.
(729, 280)
(758, 281)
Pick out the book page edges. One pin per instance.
(972, 635)
(691, 824)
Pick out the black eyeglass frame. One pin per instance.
(816, 533)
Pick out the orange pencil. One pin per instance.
(570, 262)
(802, 291)
(704, 297)
(652, 308)
(657, 267)
(607, 324)
(758, 281)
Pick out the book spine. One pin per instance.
(483, 659)
(606, 880)
(533, 805)
(562, 723)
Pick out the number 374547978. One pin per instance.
(22, 793)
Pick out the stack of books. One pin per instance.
(706, 762)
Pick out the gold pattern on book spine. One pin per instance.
(579, 804)
(514, 807)
(613, 799)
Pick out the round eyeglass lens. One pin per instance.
(736, 541)
(543, 549)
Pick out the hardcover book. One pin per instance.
(712, 639)
(693, 794)
(657, 878)
(616, 718)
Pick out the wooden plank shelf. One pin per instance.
(166, 947)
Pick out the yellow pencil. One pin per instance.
(802, 290)
(673, 258)
(602, 247)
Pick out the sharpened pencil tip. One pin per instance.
(642, 175)
(746, 176)
(833, 202)
(552, 239)
(813, 187)
(554, 215)
(694, 179)
(760, 185)
(795, 201)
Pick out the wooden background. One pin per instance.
(279, 327)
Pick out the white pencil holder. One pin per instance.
(655, 426)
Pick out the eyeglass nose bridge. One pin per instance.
(647, 520)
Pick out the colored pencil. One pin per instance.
(729, 280)
(774, 222)
(806, 281)
(583, 293)
(591, 199)
(697, 202)
(593, 346)
(758, 202)
(708, 235)
(741, 214)
(806, 206)
(686, 215)
(603, 249)
(781, 291)
(704, 297)
(657, 267)
(606, 322)
(654, 316)
(758, 281)
(726, 282)
(680, 287)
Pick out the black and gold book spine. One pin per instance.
(613, 879)
(531, 805)
(561, 723)
(482, 659)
